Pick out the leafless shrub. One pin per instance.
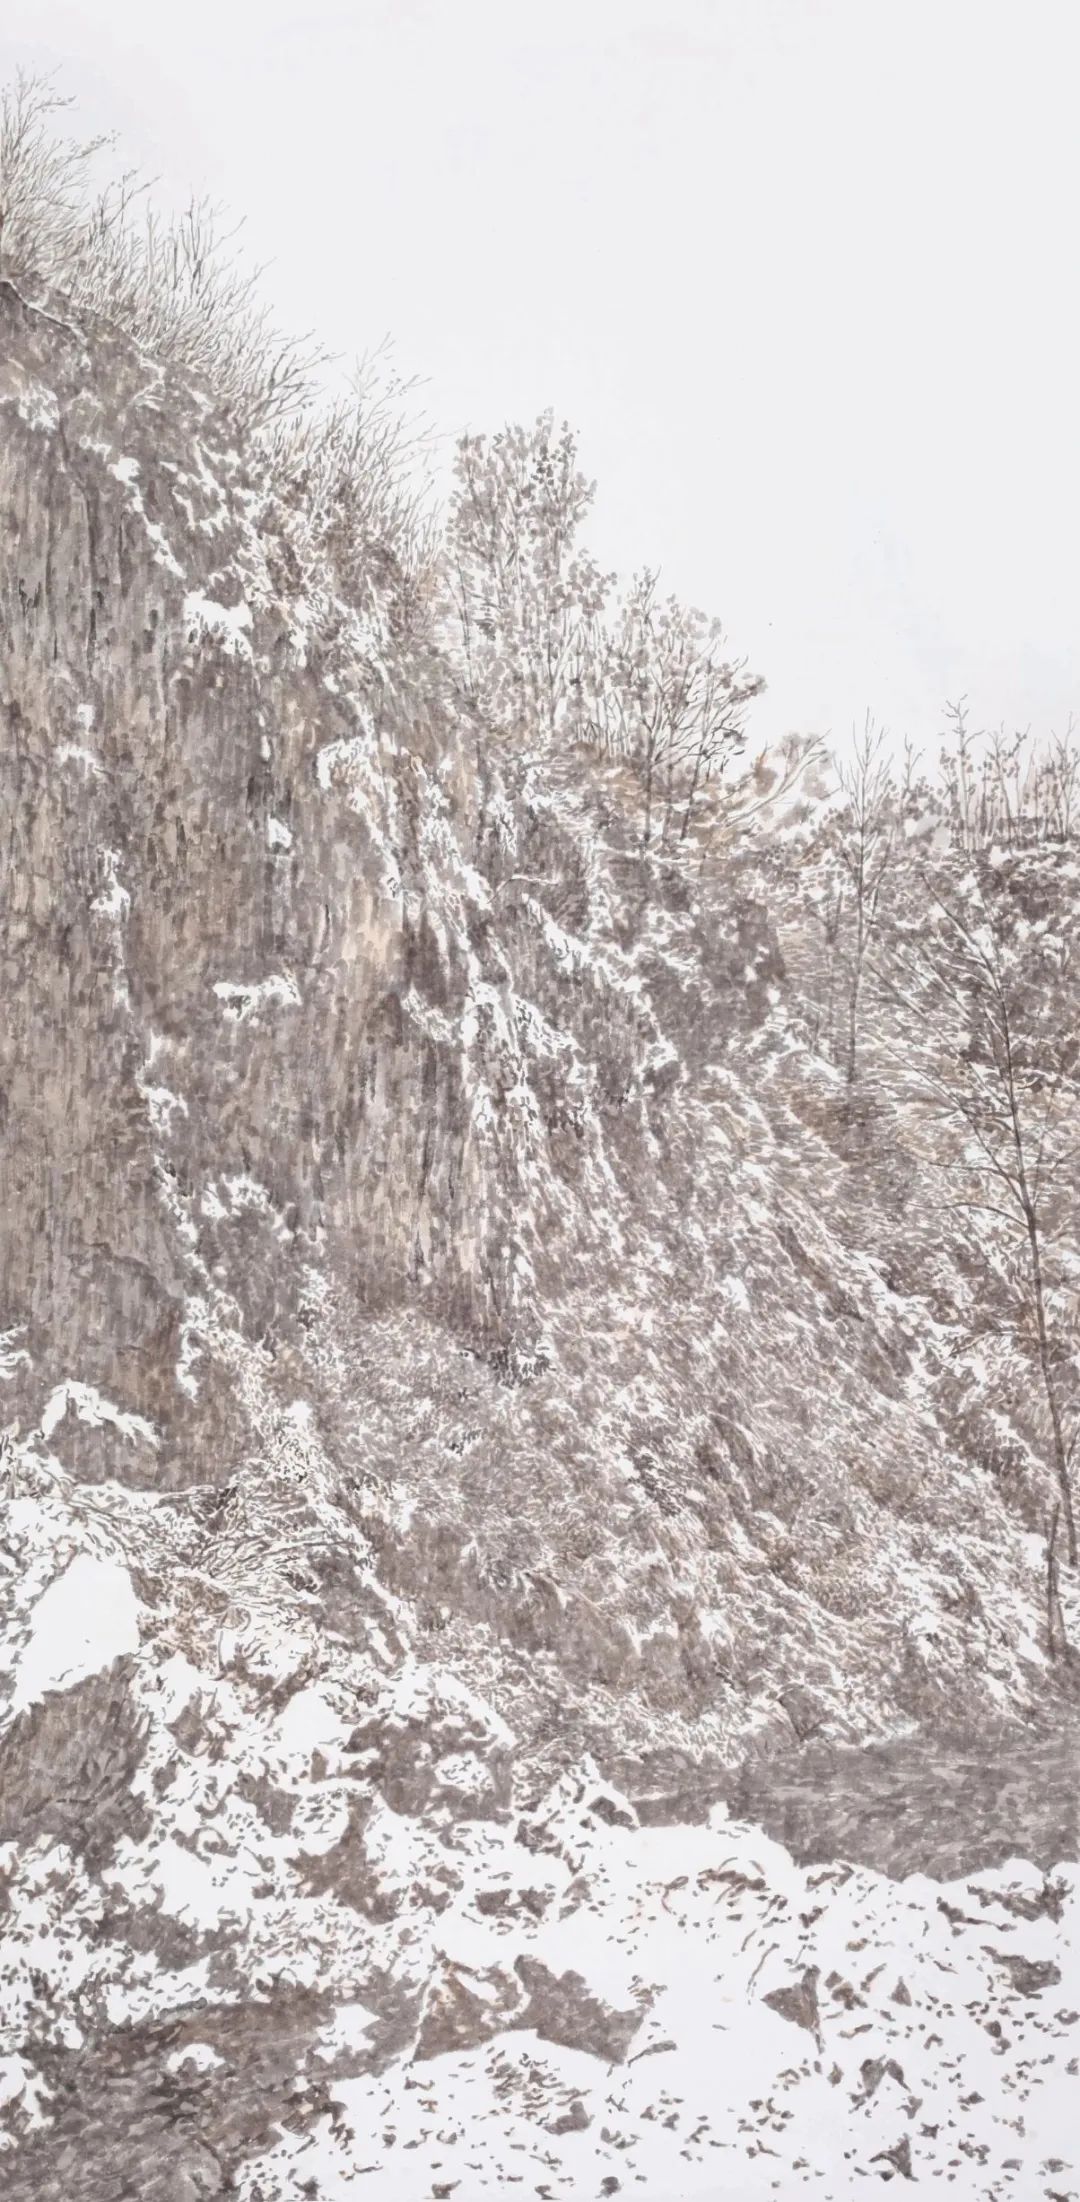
(667, 698)
(346, 470)
(353, 473)
(177, 286)
(1012, 790)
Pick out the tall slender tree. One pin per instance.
(985, 983)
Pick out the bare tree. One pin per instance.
(848, 859)
(1012, 790)
(651, 687)
(177, 287)
(869, 827)
(987, 994)
(1055, 1615)
(350, 477)
(666, 698)
(524, 593)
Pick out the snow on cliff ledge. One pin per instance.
(88, 1616)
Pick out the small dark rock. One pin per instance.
(799, 2003)
(573, 2120)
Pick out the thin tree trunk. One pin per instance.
(1031, 1221)
(1055, 1618)
(699, 759)
(1061, 1456)
(853, 1000)
(649, 754)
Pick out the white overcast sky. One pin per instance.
(802, 273)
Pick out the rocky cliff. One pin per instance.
(438, 1353)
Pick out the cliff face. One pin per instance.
(426, 1355)
(281, 1057)
(354, 1079)
(233, 872)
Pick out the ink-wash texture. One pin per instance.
(539, 1336)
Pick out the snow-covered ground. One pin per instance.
(500, 1988)
(542, 1995)
(768, 2029)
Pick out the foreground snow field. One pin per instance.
(760, 2029)
(355, 1959)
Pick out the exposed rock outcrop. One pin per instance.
(414, 1271)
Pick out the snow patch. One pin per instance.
(161, 1106)
(73, 753)
(12, 1356)
(227, 623)
(114, 901)
(35, 404)
(241, 1002)
(346, 2033)
(309, 1723)
(88, 1617)
(89, 1405)
(195, 2056)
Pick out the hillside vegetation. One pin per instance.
(534, 1235)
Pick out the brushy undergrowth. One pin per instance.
(182, 290)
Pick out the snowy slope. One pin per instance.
(440, 1353)
(768, 2030)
